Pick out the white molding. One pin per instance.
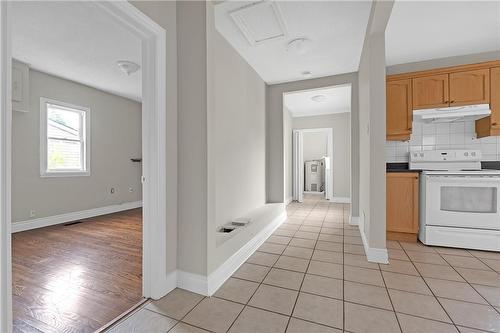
(373, 254)
(341, 199)
(207, 286)
(196, 283)
(5, 169)
(353, 220)
(73, 216)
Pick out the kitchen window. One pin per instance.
(64, 139)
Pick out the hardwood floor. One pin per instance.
(77, 277)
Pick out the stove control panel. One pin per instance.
(445, 156)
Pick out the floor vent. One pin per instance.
(71, 223)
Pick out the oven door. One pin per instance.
(463, 201)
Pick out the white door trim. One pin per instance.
(5, 171)
(298, 166)
(156, 282)
(298, 162)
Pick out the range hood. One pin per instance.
(447, 115)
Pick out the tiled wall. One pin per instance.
(456, 135)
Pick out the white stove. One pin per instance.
(459, 202)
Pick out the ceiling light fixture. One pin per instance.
(128, 67)
(319, 98)
(306, 74)
(299, 46)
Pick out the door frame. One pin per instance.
(298, 162)
(154, 265)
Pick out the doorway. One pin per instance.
(317, 143)
(155, 282)
(312, 161)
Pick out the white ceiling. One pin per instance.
(423, 30)
(336, 30)
(76, 41)
(300, 104)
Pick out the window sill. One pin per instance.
(59, 174)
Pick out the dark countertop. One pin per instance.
(404, 167)
(398, 167)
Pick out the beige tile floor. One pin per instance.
(312, 276)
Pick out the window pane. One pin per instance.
(469, 199)
(64, 155)
(63, 123)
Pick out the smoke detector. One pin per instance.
(128, 67)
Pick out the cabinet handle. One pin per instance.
(494, 124)
(452, 101)
(447, 101)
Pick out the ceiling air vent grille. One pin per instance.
(260, 22)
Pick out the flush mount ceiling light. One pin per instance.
(128, 67)
(299, 46)
(306, 74)
(319, 98)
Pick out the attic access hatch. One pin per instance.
(260, 22)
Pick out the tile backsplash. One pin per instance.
(455, 135)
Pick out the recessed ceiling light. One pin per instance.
(306, 74)
(319, 98)
(299, 46)
(128, 67)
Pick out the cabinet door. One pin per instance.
(470, 87)
(399, 110)
(430, 92)
(495, 97)
(402, 202)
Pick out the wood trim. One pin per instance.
(398, 137)
(444, 70)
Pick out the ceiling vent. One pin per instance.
(260, 22)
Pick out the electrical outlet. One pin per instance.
(112, 191)
(32, 213)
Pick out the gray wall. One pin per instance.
(115, 138)
(341, 162)
(275, 173)
(443, 62)
(314, 145)
(236, 139)
(164, 13)
(192, 136)
(372, 128)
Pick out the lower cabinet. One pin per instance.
(402, 206)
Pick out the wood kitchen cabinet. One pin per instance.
(470, 87)
(399, 110)
(430, 92)
(402, 206)
(491, 125)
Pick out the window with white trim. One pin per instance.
(64, 139)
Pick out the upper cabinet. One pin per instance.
(430, 92)
(442, 88)
(470, 87)
(399, 110)
(491, 125)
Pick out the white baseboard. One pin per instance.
(209, 285)
(373, 254)
(73, 216)
(196, 283)
(354, 220)
(288, 200)
(341, 199)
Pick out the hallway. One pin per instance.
(312, 276)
